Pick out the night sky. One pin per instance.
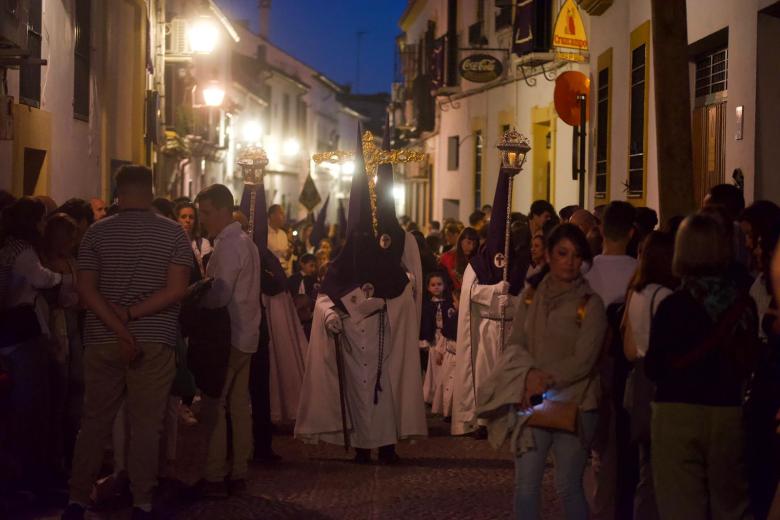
(321, 33)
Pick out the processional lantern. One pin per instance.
(252, 161)
(513, 147)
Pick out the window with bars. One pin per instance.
(638, 93)
(82, 30)
(478, 149)
(30, 75)
(602, 133)
(712, 71)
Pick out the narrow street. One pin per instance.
(441, 477)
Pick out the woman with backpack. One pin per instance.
(702, 340)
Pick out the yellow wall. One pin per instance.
(543, 120)
(32, 129)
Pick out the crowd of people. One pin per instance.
(650, 352)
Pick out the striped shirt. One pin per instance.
(131, 252)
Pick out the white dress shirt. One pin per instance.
(235, 267)
(279, 246)
(609, 277)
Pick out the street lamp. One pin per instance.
(291, 147)
(252, 132)
(203, 34)
(213, 94)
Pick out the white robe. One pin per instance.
(287, 355)
(477, 348)
(400, 411)
(439, 384)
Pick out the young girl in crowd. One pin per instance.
(438, 333)
(456, 260)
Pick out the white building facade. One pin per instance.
(734, 82)
(469, 118)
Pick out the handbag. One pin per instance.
(555, 415)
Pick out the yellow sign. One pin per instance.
(569, 30)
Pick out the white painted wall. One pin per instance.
(613, 29)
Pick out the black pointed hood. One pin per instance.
(319, 229)
(268, 261)
(361, 261)
(388, 225)
(484, 262)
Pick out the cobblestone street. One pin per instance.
(439, 477)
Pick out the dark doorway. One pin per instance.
(33, 162)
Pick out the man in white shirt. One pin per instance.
(609, 277)
(235, 268)
(278, 242)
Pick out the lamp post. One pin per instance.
(203, 35)
(514, 148)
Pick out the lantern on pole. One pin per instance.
(513, 147)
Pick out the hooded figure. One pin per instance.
(319, 229)
(482, 296)
(286, 339)
(366, 300)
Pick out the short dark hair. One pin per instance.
(306, 258)
(274, 208)
(567, 212)
(164, 207)
(728, 196)
(573, 234)
(134, 175)
(619, 219)
(435, 225)
(21, 218)
(78, 210)
(540, 206)
(476, 217)
(486, 208)
(646, 219)
(219, 195)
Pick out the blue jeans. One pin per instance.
(570, 455)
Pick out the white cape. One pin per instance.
(477, 348)
(400, 411)
(287, 355)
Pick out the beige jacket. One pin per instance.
(562, 334)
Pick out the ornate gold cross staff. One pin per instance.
(373, 156)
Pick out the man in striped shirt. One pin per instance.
(134, 268)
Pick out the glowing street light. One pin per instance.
(203, 35)
(213, 94)
(291, 147)
(252, 132)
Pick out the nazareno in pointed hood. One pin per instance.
(388, 226)
(361, 261)
(268, 261)
(319, 229)
(486, 263)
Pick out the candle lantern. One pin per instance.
(513, 147)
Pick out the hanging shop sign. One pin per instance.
(569, 38)
(481, 68)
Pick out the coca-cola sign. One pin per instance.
(481, 68)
